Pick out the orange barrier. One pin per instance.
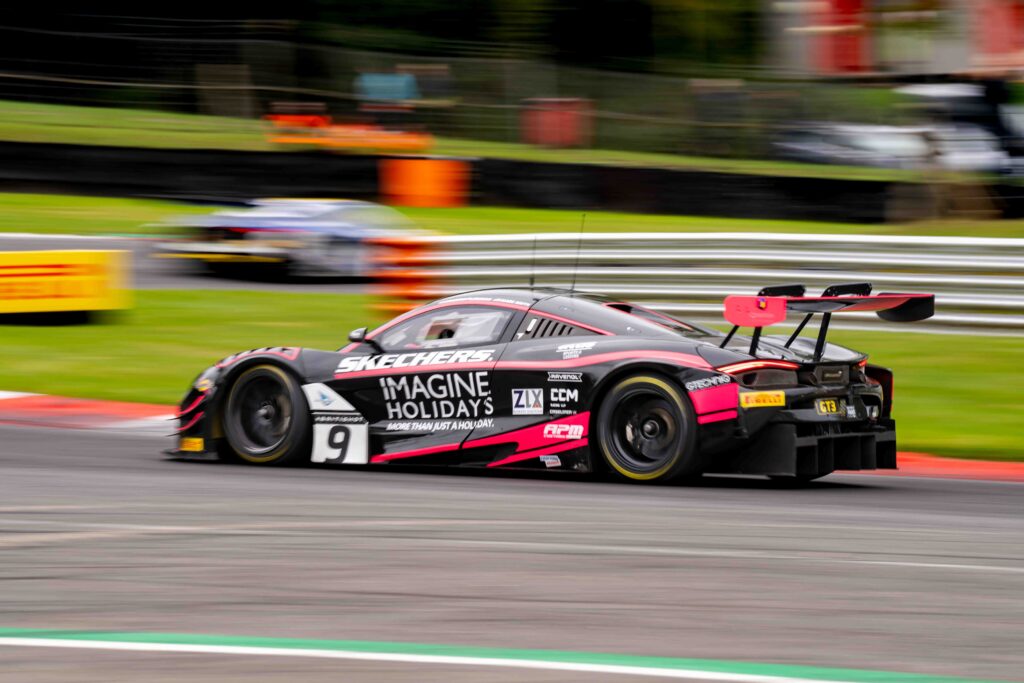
(404, 273)
(424, 182)
(319, 131)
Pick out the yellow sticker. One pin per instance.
(191, 444)
(763, 399)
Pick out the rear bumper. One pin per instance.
(220, 252)
(786, 450)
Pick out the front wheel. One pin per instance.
(266, 420)
(646, 429)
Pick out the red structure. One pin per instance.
(557, 122)
(842, 44)
(999, 32)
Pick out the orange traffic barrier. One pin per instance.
(404, 273)
(424, 182)
(318, 130)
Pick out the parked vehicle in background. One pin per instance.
(952, 147)
(303, 237)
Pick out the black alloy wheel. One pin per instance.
(266, 419)
(646, 429)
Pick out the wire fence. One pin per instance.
(225, 72)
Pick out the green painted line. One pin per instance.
(782, 671)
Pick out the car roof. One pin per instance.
(596, 311)
(313, 215)
(525, 296)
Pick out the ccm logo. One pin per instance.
(563, 395)
(563, 431)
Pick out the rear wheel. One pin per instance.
(646, 429)
(266, 420)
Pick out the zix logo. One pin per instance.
(527, 401)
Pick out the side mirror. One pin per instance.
(358, 336)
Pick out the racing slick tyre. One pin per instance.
(266, 419)
(646, 430)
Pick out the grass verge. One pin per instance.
(953, 396)
(78, 215)
(72, 214)
(152, 352)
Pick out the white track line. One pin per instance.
(5, 395)
(54, 236)
(717, 553)
(624, 670)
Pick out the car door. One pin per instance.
(426, 381)
(539, 407)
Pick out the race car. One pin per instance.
(304, 237)
(562, 380)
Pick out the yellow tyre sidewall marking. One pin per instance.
(646, 476)
(263, 459)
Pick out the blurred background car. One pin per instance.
(951, 147)
(300, 237)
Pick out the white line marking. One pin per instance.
(104, 531)
(738, 554)
(97, 531)
(5, 395)
(157, 425)
(54, 236)
(625, 670)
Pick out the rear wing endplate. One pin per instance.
(771, 304)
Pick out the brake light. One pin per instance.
(754, 365)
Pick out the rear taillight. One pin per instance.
(755, 365)
(883, 376)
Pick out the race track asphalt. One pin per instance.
(156, 273)
(99, 532)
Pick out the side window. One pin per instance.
(447, 328)
(539, 326)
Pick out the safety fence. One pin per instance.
(978, 282)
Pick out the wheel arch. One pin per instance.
(230, 376)
(601, 389)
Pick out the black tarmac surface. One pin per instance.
(98, 531)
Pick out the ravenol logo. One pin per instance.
(527, 401)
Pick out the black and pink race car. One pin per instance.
(562, 380)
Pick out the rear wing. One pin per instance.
(771, 305)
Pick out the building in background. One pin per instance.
(837, 37)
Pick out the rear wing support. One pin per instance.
(771, 305)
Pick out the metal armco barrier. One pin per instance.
(979, 282)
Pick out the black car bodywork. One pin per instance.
(524, 380)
